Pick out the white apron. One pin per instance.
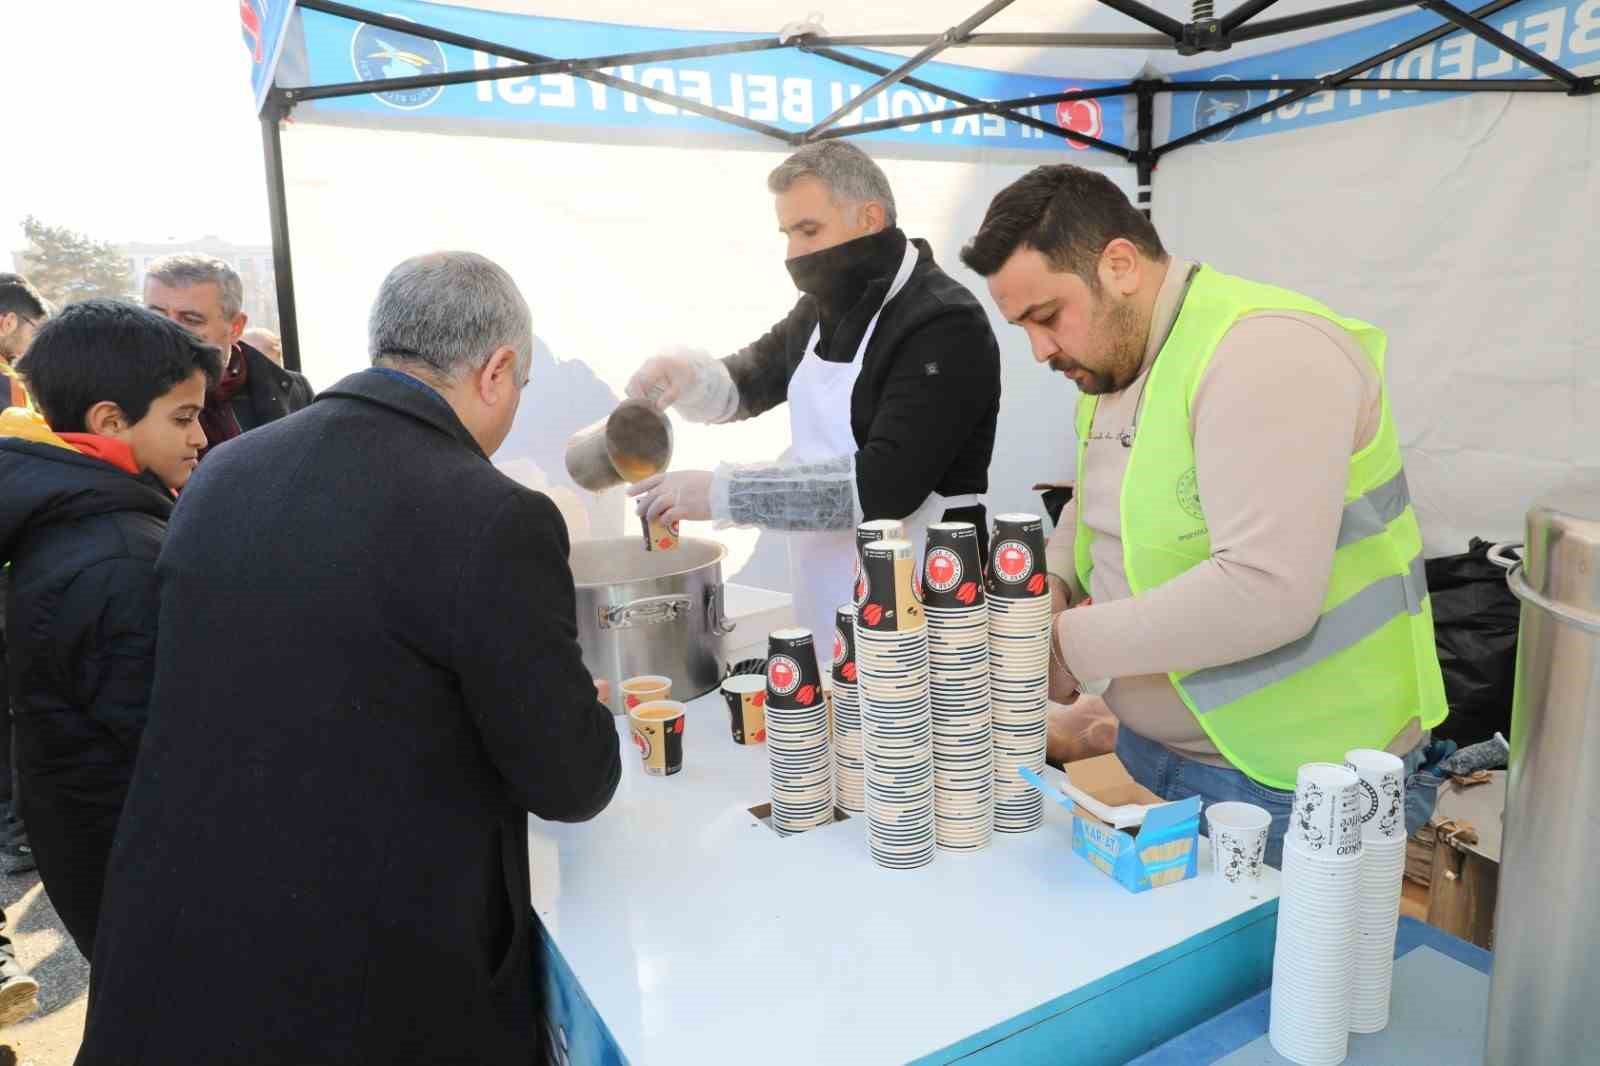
(822, 565)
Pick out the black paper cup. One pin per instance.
(844, 646)
(1016, 558)
(952, 567)
(793, 680)
(890, 603)
(867, 533)
(746, 696)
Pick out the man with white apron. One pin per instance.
(890, 370)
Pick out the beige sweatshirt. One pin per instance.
(1284, 403)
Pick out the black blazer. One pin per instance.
(368, 673)
(270, 392)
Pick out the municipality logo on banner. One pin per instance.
(1219, 103)
(1080, 116)
(379, 54)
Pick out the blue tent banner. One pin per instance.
(263, 24)
(784, 87)
(1566, 32)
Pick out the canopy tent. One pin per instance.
(618, 170)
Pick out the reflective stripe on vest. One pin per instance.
(1343, 627)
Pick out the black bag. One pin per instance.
(1475, 620)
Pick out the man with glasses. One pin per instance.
(22, 311)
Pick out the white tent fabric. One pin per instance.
(1462, 227)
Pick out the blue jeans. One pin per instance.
(1173, 777)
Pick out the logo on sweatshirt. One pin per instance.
(1189, 495)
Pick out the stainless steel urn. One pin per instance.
(1544, 997)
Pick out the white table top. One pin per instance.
(702, 937)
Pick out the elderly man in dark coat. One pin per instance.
(368, 673)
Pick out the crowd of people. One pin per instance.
(287, 676)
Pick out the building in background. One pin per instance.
(252, 261)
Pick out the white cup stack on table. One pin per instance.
(1019, 667)
(1238, 833)
(1383, 864)
(1313, 967)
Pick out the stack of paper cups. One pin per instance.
(1314, 962)
(1383, 864)
(1019, 667)
(849, 767)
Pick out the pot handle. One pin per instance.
(716, 613)
(652, 610)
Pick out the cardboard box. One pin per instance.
(1162, 850)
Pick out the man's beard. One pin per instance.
(1118, 323)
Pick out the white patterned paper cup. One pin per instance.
(1383, 793)
(1326, 819)
(1238, 833)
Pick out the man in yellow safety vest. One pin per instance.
(1241, 533)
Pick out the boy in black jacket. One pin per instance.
(85, 493)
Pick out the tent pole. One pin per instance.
(1320, 17)
(954, 35)
(1332, 81)
(1511, 47)
(1145, 158)
(1443, 85)
(272, 115)
(1243, 13)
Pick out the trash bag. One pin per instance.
(1475, 620)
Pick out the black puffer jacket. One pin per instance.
(81, 537)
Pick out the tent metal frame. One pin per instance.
(1204, 32)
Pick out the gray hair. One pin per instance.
(847, 171)
(448, 312)
(189, 268)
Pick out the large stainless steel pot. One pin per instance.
(1547, 926)
(645, 612)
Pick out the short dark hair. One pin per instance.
(19, 297)
(1066, 213)
(99, 350)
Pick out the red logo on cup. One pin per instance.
(631, 701)
(1036, 584)
(806, 695)
(838, 648)
(849, 671)
(1013, 560)
(944, 569)
(968, 593)
(677, 726)
(873, 613)
(861, 587)
(759, 698)
(1080, 116)
(783, 674)
(642, 743)
(664, 543)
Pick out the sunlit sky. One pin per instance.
(127, 124)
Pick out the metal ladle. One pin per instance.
(632, 443)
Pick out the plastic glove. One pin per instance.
(679, 496)
(1080, 730)
(664, 377)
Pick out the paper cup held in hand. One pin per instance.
(644, 688)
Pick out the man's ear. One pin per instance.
(106, 419)
(235, 331)
(499, 375)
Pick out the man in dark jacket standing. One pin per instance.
(205, 296)
(324, 856)
(890, 370)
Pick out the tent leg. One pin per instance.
(278, 210)
(1145, 158)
